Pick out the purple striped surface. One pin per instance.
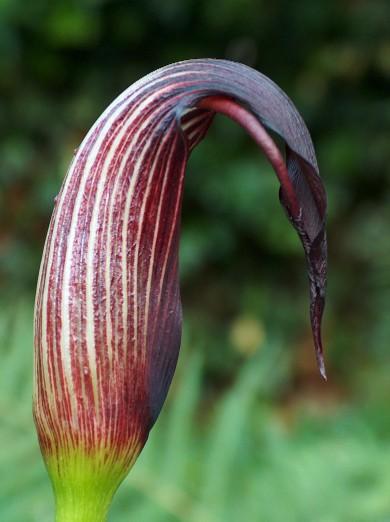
(108, 311)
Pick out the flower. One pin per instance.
(108, 312)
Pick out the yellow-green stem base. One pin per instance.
(84, 483)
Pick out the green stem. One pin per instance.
(82, 509)
(84, 484)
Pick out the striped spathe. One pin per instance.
(108, 311)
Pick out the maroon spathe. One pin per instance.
(108, 311)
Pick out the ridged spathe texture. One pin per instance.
(108, 312)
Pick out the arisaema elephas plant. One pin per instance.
(108, 312)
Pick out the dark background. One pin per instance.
(249, 430)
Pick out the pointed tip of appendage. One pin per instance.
(321, 367)
(319, 351)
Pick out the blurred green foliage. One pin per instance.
(240, 457)
(253, 433)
